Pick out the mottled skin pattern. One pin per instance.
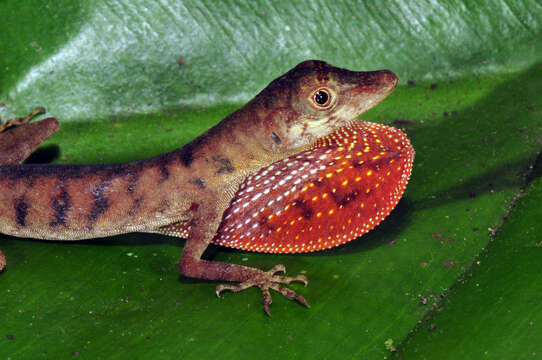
(303, 119)
(21, 140)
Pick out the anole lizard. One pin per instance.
(294, 170)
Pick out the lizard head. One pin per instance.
(315, 98)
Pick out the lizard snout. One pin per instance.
(387, 79)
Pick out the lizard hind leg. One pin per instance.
(22, 120)
(269, 280)
(23, 138)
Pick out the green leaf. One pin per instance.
(111, 73)
(494, 310)
(89, 60)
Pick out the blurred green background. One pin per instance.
(452, 273)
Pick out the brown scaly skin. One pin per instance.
(22, 139)
(196, 183)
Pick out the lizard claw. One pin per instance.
(269, 280)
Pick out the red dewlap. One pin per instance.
(337, 191)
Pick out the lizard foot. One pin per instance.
(269, 280)
(22, 120)
(2, 261)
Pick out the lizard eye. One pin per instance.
(322, 98)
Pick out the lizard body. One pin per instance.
(254, 181)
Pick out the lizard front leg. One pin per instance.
(203, 230)
(22, 139)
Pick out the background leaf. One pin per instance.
(494, 310)
(94, 60)
(469, 98)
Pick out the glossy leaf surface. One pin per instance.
(132, 79)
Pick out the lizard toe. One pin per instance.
(285, 279)
(289, 294)
(279, 268)
(266, 301)
(290, 279)
(233, 287)
(269, 280)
